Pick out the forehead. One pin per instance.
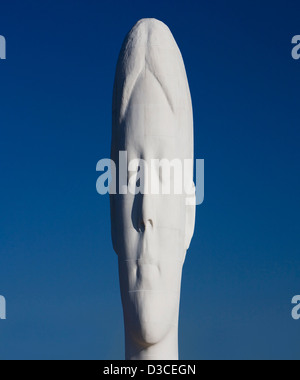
(152, 133)
(150, 126)
(152, 112)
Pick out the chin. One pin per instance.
(151, 315)
(151, 333)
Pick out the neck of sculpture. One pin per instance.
(166, 349)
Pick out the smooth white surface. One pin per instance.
(152, 118)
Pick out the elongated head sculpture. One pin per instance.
(151, 231)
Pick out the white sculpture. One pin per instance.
(152, 118)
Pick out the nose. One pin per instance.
(146, 213)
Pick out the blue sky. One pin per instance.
(58, 271)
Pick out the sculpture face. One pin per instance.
(152, 119)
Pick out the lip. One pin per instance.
(144, 268)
